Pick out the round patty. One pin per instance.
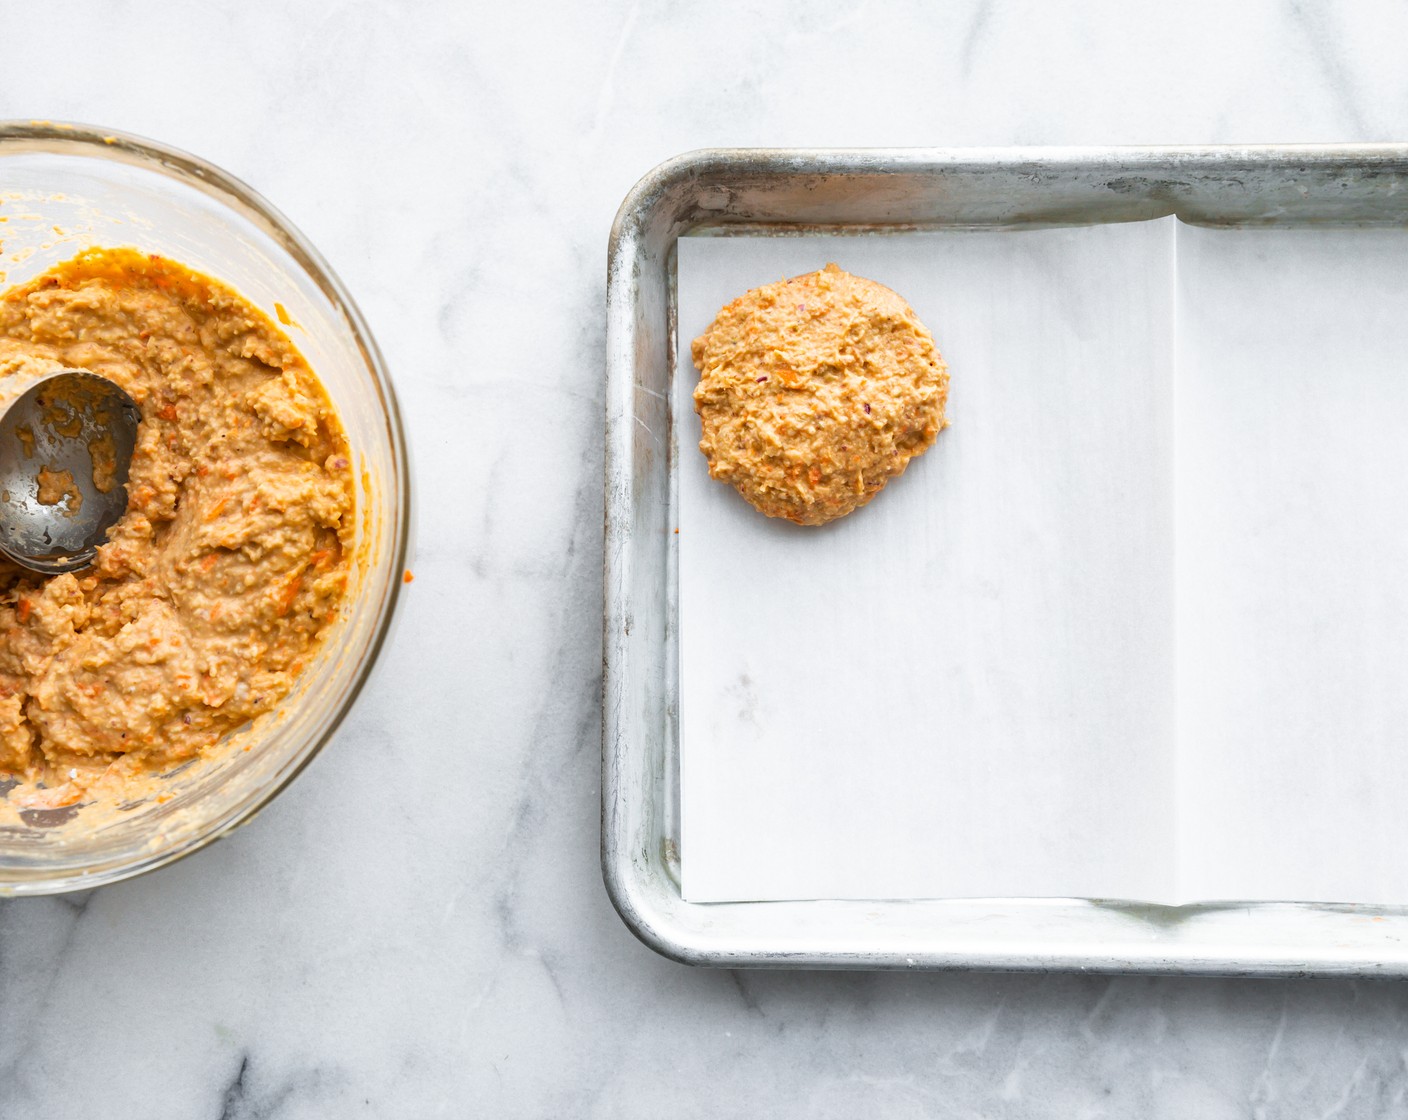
(816, 391)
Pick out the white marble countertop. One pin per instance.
(448, 949)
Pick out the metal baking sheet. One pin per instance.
(897, 190)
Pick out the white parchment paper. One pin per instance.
(966, 687)
(1136, 627)
(1292, 474)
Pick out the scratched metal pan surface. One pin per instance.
(886, 190)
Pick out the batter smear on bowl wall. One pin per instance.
(231, 562)
(814, 392)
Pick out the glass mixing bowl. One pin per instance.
(64, 188)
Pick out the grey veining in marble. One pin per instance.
(443, 946)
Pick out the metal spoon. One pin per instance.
(65, 450)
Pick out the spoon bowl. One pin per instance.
(65, 450)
